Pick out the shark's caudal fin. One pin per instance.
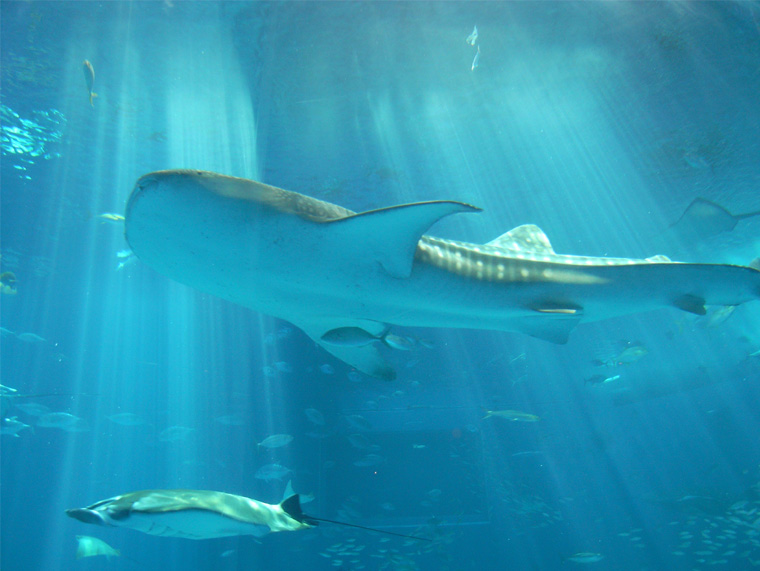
(390, 235)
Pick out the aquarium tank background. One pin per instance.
(634, 446)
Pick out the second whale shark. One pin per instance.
(325, 268)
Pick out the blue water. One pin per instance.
(599, 122)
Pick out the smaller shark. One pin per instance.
(195, 514)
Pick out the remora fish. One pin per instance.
(323, 267)
(194, 514)
(89, 79)
(513, 415)
(584, 557)
(473, 37)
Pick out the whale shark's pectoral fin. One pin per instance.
(365, 358)
(390, 235)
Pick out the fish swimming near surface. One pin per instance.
(323, 267)
(89, 78)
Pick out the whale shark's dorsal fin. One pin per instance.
(525, 238)
(390, 235)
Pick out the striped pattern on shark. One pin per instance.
(325, 268)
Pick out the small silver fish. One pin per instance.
(512, 415)
(476, 61)
(473, 37)
(89, 78)
(175, 433)
(276, 441)
(358, 337)
(315, 416)
(272, 472)
(64, 421)
(370, 460)
(585, 557)
(30, 338)
(110, 217)
(12, 426)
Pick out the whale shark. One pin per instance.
(325, 268)
(194, 514)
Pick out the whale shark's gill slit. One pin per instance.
(319, 519)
